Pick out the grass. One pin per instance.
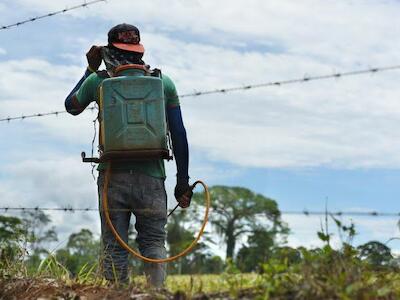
(314, 278)
(212, 283)
(321, 274)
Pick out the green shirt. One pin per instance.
(89, 92)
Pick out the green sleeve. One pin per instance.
(88, 90)
(170, 93)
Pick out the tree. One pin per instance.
(213, 265)
(11, 229)
(376, 253)
(200, 259)
(12, 234)
(259, 249)
(36, 224)
(39, 235)
(288, 254)
(82, 248)
(178, 237)
(237, 211)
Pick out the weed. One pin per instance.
(50, 267)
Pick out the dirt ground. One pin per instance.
(49, 289)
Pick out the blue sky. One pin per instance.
(333, 141)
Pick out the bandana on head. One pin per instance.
(114, 57)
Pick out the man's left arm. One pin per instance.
(179, 141)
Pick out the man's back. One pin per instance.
(90, 92)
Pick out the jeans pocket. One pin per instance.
(154, 196)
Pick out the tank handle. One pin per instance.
(131, 66)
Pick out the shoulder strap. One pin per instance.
(156, 73)
(103, 74)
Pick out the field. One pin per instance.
(321, 274)
(261, 270)
(177, 287)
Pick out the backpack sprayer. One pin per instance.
(133, 126)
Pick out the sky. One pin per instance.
(331, 143)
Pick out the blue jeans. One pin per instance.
(145, 197)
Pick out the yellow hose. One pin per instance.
(132, 251)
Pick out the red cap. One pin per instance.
(129, 47)
(125, 37)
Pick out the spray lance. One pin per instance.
(184, 200)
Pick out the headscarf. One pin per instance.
(114, 57)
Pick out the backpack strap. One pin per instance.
(103, 74)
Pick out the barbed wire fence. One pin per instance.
(51, 14)
(71, 209)
(284, 213)
(237, 88)
(293, 81)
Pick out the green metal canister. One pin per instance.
(132, 117)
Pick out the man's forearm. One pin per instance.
(179, 142)
(71, 102)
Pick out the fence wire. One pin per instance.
(292, 81)
(70, 209)
(239, 88)
(33, 19)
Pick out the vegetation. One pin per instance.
(237, 211)
(263, 267)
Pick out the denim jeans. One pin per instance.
(145, 197)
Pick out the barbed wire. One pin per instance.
(283, 212)
(342, 213)
(292, 81)
(238, 88)
(56, 113)
(85, 4)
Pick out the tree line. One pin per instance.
(245, 226)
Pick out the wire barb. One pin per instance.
(85, 4)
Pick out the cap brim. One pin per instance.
(129, 47)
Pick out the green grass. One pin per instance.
(319, 274)
(195, 284)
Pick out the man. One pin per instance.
(135, 186)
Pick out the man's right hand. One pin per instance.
(94, 58)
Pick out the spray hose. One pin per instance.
(135, 253)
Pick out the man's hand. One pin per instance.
(94, 58)
(183, 193)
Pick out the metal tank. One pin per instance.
(132, 117)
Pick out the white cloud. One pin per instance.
(346, 123)
(329, 30)
(36, 86)
(57, 180)
(330, 123)
(3, 51)
(53, 182)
